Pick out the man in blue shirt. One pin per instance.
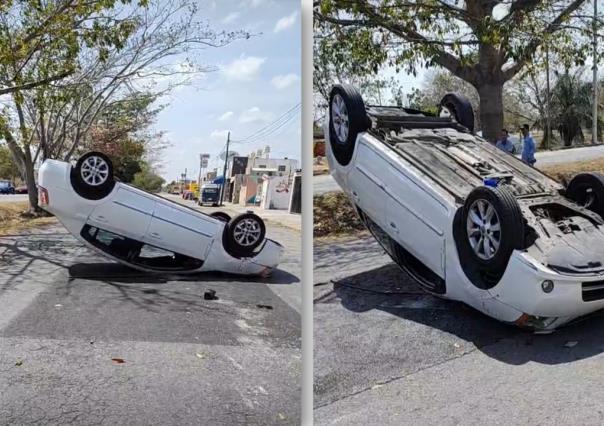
(504, 143)
(528, 146)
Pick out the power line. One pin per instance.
(271, 127)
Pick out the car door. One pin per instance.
(415, 218)
(126, 213)
(181, 231)
(366, 182)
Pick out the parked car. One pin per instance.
(146, 231)
(21, 189)
(466, 220)
(6, 187)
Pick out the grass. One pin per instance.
(334, 215)
(12, 219)
(564, 172)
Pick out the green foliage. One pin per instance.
(147, 180)
(468, 39)
(8, 168)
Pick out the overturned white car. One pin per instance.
(148, 232)
(468, 221)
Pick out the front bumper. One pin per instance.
(521, 289)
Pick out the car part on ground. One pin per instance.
(466, 220)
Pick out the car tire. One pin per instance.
(459, 108)
(92, 176)
(244, 233)
(347, 118)
(222, 216)
(587, 190)
(492, 227)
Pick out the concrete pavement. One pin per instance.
(387, 353)
(84, 340)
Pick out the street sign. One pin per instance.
(204, 158)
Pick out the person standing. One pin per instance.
(504, 143)
(528, 146)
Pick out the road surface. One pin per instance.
(13, 198)
(84, 340)
(387, 353)
(325, 183)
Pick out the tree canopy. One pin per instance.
(484, 42)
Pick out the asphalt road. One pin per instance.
(6, 198)
(387, 353)
(68, 318)
(325, 183)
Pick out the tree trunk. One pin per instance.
(30, 180)
(491, 109)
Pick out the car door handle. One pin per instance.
(393, 225)
(155, 235)
(355, 195)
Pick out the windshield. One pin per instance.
(4, 184)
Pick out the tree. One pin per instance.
(148, 180)
(65, 62)
(472, 40)
(8, 168)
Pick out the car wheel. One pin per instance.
(492, 227)
(348, 118)
(222, 216)
(459, 108)
(245, 233)
(93, 176)
(587, 190)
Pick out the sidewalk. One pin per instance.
(278, 217)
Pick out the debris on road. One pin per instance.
(200, 355)
(210, 295)
(264, 306)
(118, 360)
(571, 344)
(19, 362)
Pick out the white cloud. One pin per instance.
(254, 115)
(219, 135)
(225, 116)
(231, 17)
(286, 22)
(283, 81)
(244, 68)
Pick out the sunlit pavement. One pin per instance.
(385, 352)
(86, 341)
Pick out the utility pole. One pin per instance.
(548, 122)
(226, 159)
(594, 126)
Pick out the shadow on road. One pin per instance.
(390, 290)
(115, 272)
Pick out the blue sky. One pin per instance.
(256, 82)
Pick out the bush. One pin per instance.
(148, 181)
(334, 214)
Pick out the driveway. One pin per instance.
(86, 341)
(386, 353)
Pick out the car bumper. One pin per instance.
(262, 263)
(572, 295)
